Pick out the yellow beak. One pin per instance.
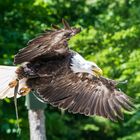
(97, 71)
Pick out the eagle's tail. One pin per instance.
(7, 75)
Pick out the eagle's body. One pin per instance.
(65, 79)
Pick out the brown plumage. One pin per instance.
(78, 93)
(52, 43)
(52, 71)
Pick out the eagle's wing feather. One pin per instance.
(96, 96)
(49, 44)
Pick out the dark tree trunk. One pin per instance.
(37, 124)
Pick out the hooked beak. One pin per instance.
(97, 71)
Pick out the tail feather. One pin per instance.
(7, 74)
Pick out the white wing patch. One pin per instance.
(7, 74)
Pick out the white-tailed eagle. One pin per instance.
(62, 77)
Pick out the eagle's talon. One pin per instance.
(24, 91)
(13, 84)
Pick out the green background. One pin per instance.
(110, 37)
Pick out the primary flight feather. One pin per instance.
(63, 78)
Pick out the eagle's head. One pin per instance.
(80, 65)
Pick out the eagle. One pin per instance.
(62, 77)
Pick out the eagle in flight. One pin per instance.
(62, 77)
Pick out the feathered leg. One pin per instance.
(24, 71)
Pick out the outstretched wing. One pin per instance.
(51, 43)
(84, 95)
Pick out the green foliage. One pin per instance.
(110, 37)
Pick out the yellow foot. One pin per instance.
(13, 83)
(24, 91)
